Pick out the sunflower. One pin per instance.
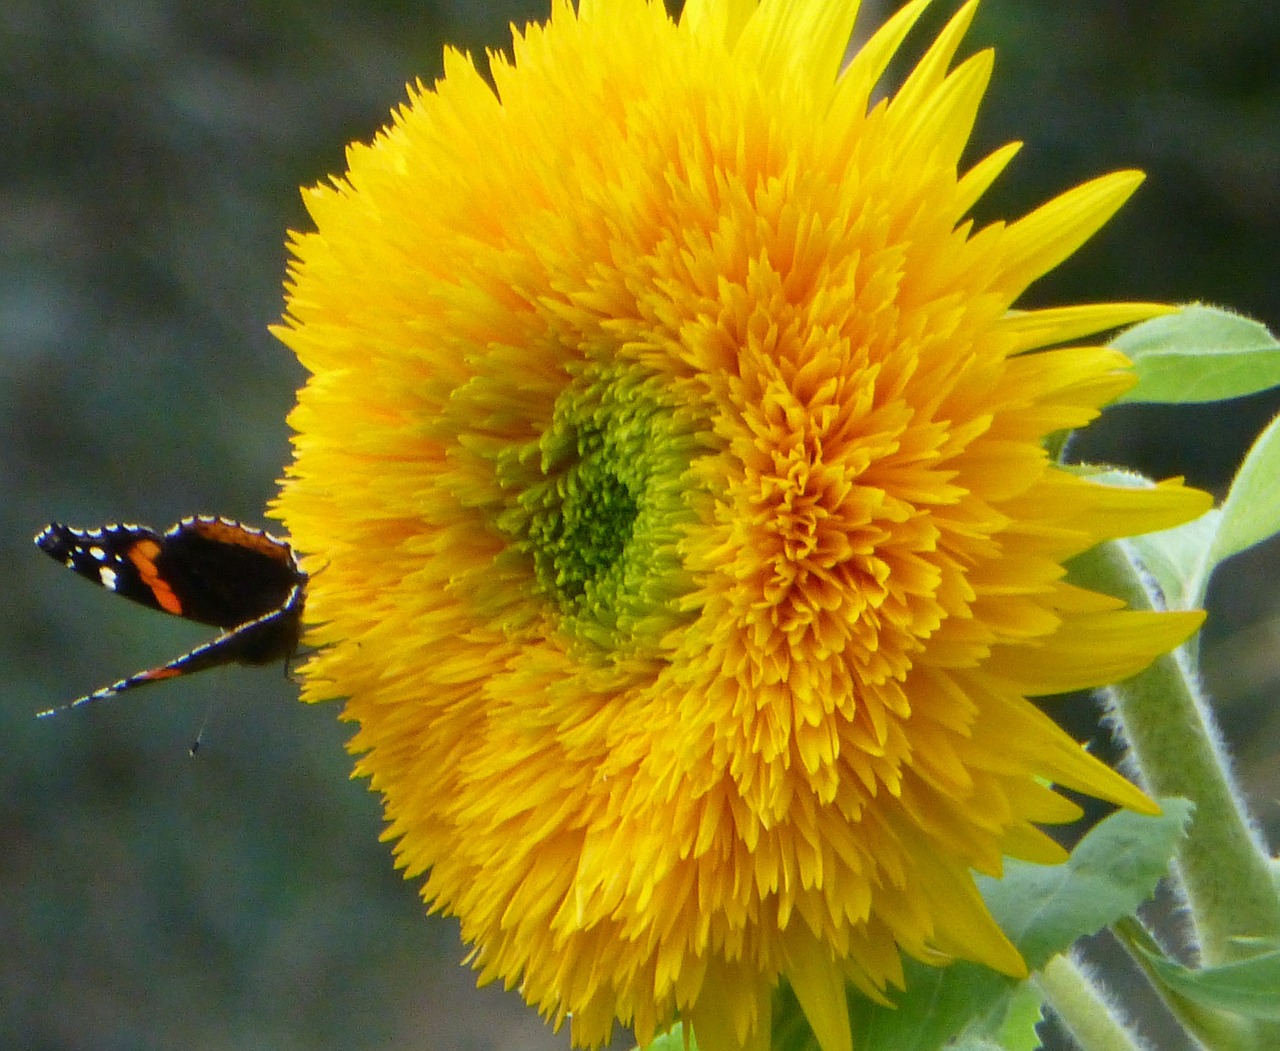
(674, 465)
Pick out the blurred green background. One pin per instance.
(152, 155)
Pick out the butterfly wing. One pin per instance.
(120, 558)
(207, 569)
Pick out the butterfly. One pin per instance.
(205, 568)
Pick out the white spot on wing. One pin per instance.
(108, 577)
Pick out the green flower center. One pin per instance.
(598, 505)
(578, 534)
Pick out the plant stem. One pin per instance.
(1175, 745)
(1082, 1009)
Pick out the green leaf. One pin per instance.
(1249, 988)
(938, 1005)
(672, 1040)
(1251, 511)
(1025, 1012)
(1043, 910)
(1183, 559)
(1177, 558)
(791, 1030)
(1199, 354)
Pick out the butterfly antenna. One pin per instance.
(208, 713)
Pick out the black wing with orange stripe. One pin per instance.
(205, 568)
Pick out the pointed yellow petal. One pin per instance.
(963, 926)
(1088, 377)
(799, 41)
(1098, 649)
(869, 64)
(1110, 511)
(978, 179)
(728, 1015)
(1038, 242)
(932, 69)
(1033, 329)
(942, 123)
(818, 982)
(1032, 736)
(718, 20)
(1028, 843)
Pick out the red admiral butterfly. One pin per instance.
(207, 569)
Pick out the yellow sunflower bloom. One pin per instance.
(672, 465)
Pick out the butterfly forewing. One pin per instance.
(113, 556)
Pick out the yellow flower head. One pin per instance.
(674, 468)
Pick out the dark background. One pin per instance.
(150, 163)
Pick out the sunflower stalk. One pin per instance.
(1084, 1009)
(1223, 869)
(1174, 743)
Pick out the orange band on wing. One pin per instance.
(143, 556)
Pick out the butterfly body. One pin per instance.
(205, 568)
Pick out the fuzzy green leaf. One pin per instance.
(1043, 909)
(1251, 511)
(672, 1040)
(1177, 558)
(1249, 988)
(1109, 874)
(937, 1006)
(1025, 1012)
(1199, 354)
(1183, 559)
